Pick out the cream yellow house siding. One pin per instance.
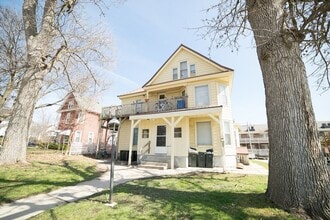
(202, 67)
(131, 100)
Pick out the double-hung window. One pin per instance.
(67, 118)
(192, 70)
(183, 70)
(175, 73)
(204, 136)
(202, 96)
(135, 136)
(77, 137)
(222, 96)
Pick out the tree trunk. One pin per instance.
(17, 134)
(298, 174)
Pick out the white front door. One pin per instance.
(161, 140)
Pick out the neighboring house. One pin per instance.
(186, 104)
(255, 138)
(79, 123)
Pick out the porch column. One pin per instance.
(172, 124)
(133, 125)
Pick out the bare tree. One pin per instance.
(12, 57)
(58, 46)
(286, 31)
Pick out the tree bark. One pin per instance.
(298, 174)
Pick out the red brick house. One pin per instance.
(79, 123)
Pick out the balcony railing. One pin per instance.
(157, 106)
(254, 140)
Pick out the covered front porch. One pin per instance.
(167, 137)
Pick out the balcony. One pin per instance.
(148, 107)
(254, 140)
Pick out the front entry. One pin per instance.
(161, 140)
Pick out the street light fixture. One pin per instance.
(113, 125)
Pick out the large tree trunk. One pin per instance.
(298, 174)
(17, 134)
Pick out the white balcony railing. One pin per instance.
(254, 140)
(158, 106)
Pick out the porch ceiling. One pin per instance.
(216, 110)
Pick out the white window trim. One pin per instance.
(92, 134)
(208, 94)
(196, 133)
(75, 135)
(230, 132)
(226, 95)
(67, 117)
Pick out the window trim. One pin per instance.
(223, 98)
(225, 133)
(135, 136)
(90, 137)
(67, 117)
(175, 73)
(70, 104)
(182, 70)
(208, 96)
(145, 133)
(211, 138)
(192, 72)
(75, 136)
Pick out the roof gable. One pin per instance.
(81, 102)
(183, 53)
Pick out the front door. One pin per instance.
(161, 140)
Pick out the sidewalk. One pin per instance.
(31, 206)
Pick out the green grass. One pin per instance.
(45, 171)
(261, 163)
(194, 196)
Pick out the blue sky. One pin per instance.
(147, 32)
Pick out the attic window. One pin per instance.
(175, 73)
(192, 70)
(183, 70)
(70, 104)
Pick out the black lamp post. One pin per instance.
(113, 125)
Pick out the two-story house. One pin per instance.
(185, 105)
(79, 123)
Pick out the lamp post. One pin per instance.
(113, 125)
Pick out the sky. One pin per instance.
(146, 32)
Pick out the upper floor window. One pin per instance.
(202, 96)
(192, 70)
(67, 118)
(175, 73)
(70, 104)
(81, 117)
(223, 95)
(183, 70)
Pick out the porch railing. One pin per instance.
(143, 151)
(148, 106)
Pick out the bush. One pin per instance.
(53, 146)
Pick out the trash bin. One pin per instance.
(201, 159)
(124, 155)
(209, 160)
(192, 160)
(180, 104)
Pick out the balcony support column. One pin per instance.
(172, 124)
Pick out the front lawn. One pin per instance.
(192, 196)
(46, 170)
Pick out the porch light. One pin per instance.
(113, 125)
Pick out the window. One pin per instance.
(175, 73)
(90, 137)
(222, 96)
(177, 132)
(145, 133)
(204, 136)
(77, 136)
(201, 96)
(183, 70)
(67, 118)
(161, 136)
(192, 70)
(81, 117)
(226, 130)
(70, 104)
(135, 136)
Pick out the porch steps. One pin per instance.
(153, 165)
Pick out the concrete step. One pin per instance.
(153, 165)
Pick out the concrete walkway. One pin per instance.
(33, 205)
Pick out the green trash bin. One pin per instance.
(209, 160)
(192, 160)
(201, 159)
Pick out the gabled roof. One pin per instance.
(184, 47)
(87, 103)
